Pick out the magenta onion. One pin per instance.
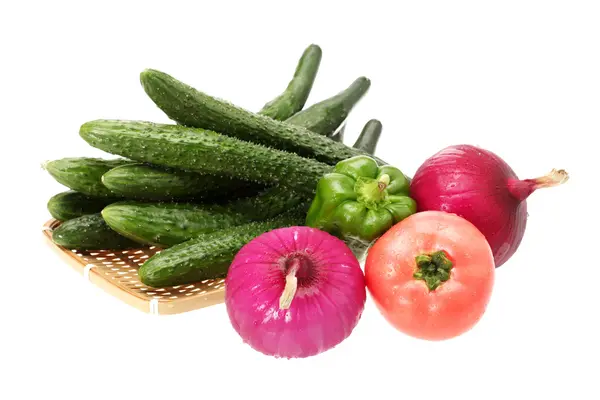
(479, 186)
(295, 292)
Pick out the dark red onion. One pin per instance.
(479, 186)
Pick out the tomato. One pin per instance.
(456, 270)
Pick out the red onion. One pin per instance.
(294, 292)
(479, 186)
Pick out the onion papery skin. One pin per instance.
(474, 183)
(325, 309)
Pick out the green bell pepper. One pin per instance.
(360, 200)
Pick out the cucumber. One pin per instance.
(204, 151)
(369, 136)
(295, 95)
(83, 174)
(326, 116)
(147, 182)
(168, 224)
(192, 108)
(339, 135)
(71, 204)
(207, 256)
(90, 232)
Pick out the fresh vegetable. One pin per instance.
(190, 107)
(83, 174)
(369, 137)
(148, 182)
(204, 151)
(89, 232)
(295, 95)
(481, 187)
(208, 255)
(326, 116)
(360, 200)
(71, 204)
(168, 224)
(294, 292)
(339, 135)
(431, 275)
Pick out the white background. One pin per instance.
(520, 78)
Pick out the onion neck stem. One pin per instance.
(554, 178)
(291, 285)
(521, 189)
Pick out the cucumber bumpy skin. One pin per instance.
(83, 174)
(190, 107)
(147, 182)
(295, 95)
(71, 204)
(164, 224)
(168, 224)
(207, 256)
(204, 151)
(90, 232)
(326, 116)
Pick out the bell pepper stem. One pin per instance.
(384, 181)
(372, 191)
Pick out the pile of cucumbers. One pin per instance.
(202, 187)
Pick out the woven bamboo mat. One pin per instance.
(116, 273)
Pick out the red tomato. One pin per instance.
(408, 303)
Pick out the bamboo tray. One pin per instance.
(116, 273)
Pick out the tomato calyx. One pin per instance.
(433, 268)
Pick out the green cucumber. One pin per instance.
(204, 151)
(207, 256)
(339, 135)
(295, 95)
(326, 116)
(90, 232)
(168, 224)
(71, 204)
(369, 136)
(147, 182)
(83, 174)
(190, 107)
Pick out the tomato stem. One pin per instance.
(433, 268)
